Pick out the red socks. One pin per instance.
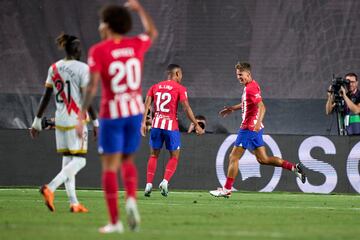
(110, 186)
(170, 168)
(151, 169)
(288, 165)
(229, 183)
(129, 178)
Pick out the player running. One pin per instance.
(166, 96)
(67, 78)
(117, 61)
(250, 133)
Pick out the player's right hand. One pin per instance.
(143, 130)
(133, 5)
(225, 111)
(34, 133)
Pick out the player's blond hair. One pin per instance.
(243, 66)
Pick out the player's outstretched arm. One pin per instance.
(36, 126)
(229, 109)
(189, 113)
(148, 102)
(88, 97)
(146, 20)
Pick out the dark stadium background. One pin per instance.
(294, 46)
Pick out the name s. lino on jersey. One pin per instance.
(120, 65)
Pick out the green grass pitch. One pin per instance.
(186, 216)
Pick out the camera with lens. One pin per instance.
(202, 125)
(336, 84)
(47, 123)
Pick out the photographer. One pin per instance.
(349, 104)
(201, 121)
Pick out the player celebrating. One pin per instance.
(66, 78)
(166, 95)
(117, 61)
(250, 133)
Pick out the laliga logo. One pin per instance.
(248, 165)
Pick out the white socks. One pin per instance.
(71, 165)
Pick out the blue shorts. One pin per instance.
(249, 139)
(120, 135)
(159, 136)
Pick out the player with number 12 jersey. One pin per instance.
(166, 96)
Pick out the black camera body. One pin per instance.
(336, 84)
(45, 123)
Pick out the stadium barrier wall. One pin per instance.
(331, 163)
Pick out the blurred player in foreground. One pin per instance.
(165, 128)
(250, 133)
(67, 78)
(117, 62)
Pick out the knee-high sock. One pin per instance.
(68, 171)
(170, 168)
(151, 169)
(288, 165)
(110, 186)
(129, 177)
(229, 183)
(78, 163)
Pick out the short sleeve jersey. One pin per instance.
(166, 96)
(67, 77)
(250, 98)
(119, 63)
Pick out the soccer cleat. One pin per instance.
(48, 197)
(164, 188)
(133, 216)
(221, 192)
(78, 208)
(299, 172)
(112, 228)
(148, 189)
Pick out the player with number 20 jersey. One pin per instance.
(117, 61)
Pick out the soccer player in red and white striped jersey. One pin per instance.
(117, 61)
(251, 132)
(166, 96)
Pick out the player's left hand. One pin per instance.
(34, 133)
(79, 129)
(143, 129)
(257, 127)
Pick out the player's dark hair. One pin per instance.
(243, 66)
(117, 17)
(171, 67)
(70, 44)
(351, 75)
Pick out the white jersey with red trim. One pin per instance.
(67, 77)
